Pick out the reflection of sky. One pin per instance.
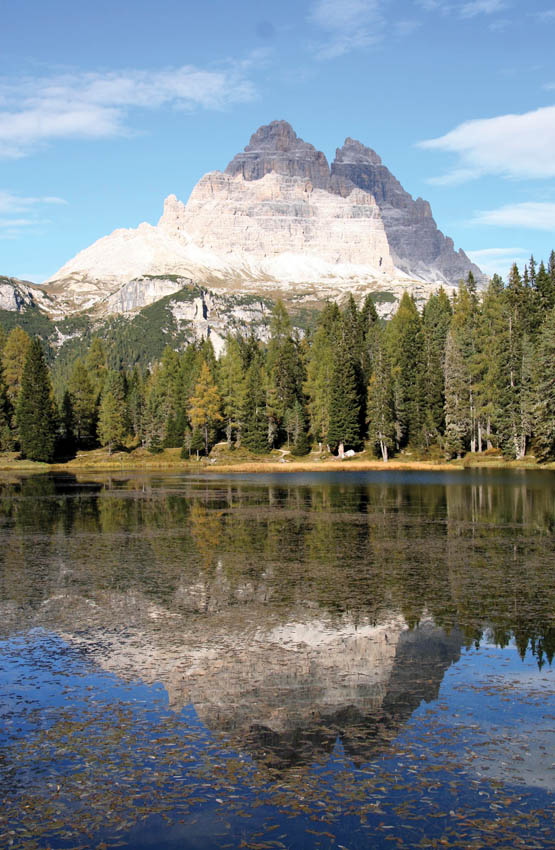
(500, 710)
(493, 709)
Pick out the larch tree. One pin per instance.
(14, 356)
(205, 404)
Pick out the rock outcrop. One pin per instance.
(276, 148)
(418, 247)
(251, 221)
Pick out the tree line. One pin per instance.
(467, 374)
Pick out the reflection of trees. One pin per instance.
(471, 555)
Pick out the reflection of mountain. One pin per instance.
(281, 691)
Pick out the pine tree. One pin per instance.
(405, 353)
(544, 412)
(319, 380)
(84, 399)
(344, 411)
(7, 438)
(436, 320)
(36, 412)
(205, 404)
(285, 372)
(380, 411)
(458, 416)
(67, 425)
(231, 382)
(111, 429)
(255, 423)
(95, 364)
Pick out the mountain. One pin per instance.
(279, 221)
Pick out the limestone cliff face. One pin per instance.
(278, 221)
(417, 245)
(276, 215)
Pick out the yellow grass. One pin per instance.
(223, 460)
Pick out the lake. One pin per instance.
(324, 660)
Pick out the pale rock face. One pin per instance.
(15, 295)
(279, 221)
(280, 215)
(140, 293)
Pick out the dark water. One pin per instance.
(339, 660)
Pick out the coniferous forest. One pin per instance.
(470, 373)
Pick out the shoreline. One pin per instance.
(169, 461)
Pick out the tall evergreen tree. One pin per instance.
(380, 410)
(255, 423)
(344, 410)
(84, 404)
(231, 376)
(405, 353)
(436, 320)
(458, 410)
(36, 412)
(111, 427)
(544, 412)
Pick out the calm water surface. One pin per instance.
(332, 660)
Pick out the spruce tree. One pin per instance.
(36, 411)
(458, 415)
(111, 428)
(84, 398)
(436, 320)
(344, 410)
(405, 353)
(255, 422)
(380, 411)
(544, 412)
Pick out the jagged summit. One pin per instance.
(354, 152)
(276, 147)
(280, 219)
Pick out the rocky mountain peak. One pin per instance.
(276, 147)
(354, 152)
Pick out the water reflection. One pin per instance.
(301, 624)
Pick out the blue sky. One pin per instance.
(107, 107)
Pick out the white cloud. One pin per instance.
(470, 9)
(94, 105)
(481, 7)
(10, 203)
(350, 24)
(498, 260)
(20, 213)
(531, 215)
(509, 145)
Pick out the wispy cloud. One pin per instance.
(97, 105)
(532, 215)
(469, 9)
(498, 260)
(508, 145)
(348, 24)
(19, 213)
(482, 7)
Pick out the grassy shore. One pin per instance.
(224, 460)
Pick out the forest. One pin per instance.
(470, 373)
